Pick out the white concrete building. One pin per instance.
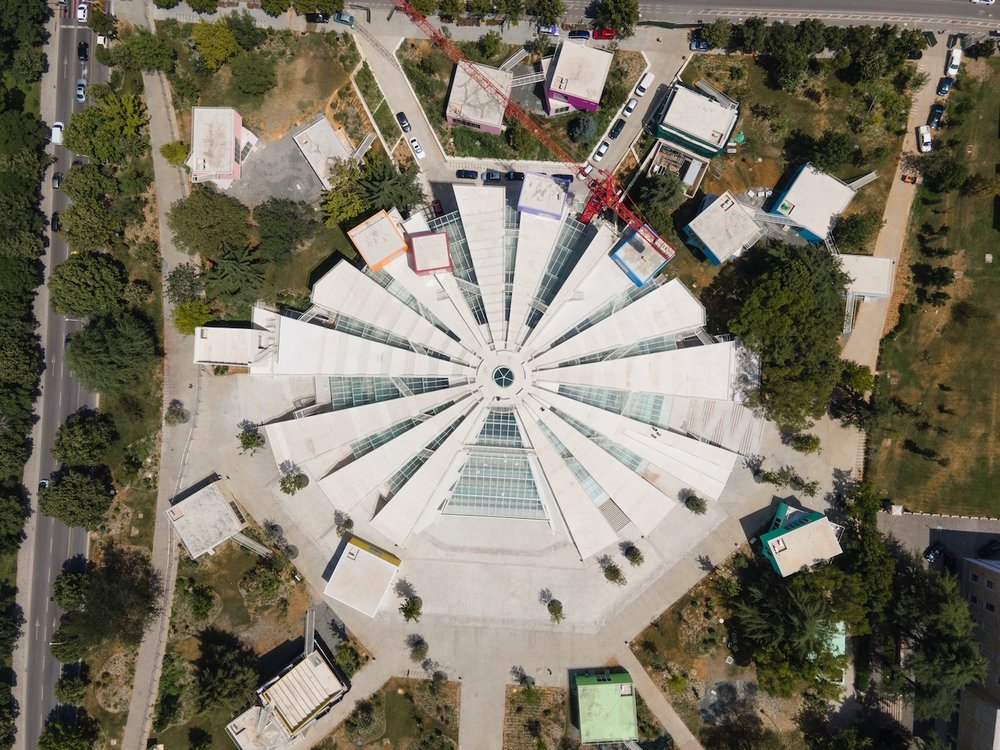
(813, 200)
(362, 576)
(534, 387)
(696, 122)
(320, 144)
(871, 278)
(724, 229)
(471, 106)
(206, 519)
(219, 145)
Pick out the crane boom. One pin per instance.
(603, 191)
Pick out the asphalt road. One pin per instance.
(53, 542)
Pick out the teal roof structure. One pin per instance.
(607, 707)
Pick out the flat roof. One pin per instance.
(363, 574)
(430, 252)
(607, 708)
(229, 345)
(378, 239)
(470, 101)
(580, 71)
(543, 195)
(870, 276)
(319, 143)
(692, 113)
(303, 691)
(813, 200)
(805, 546)
(726, 226)
(637, 258)
(205, 519)
(213, 139)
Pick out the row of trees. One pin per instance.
(22, 142)
(876, 591)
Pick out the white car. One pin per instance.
(587, 170)
(629, 107)
(57, 133)
(417, 150)
(983, 2)
(954, 61)
(601, 151)
(81, 12)
(924, 139)
(81, 90)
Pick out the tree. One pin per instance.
(76, 499)
(140, 49)
(283, 225)
(412, 608)
(70, 689)
(69, 589)
(204, 6)
(805, 443)
(418, 648)
(342, 201)
(28, 64)
(347, 658)
(110, 130)
(275, 7)
(84, 439)
(248, 34)
(175, 413)
(235, 277)
(293, 481)
(854, 232)
(620, 15)
(184, 283)
(490, 45)
(225, 672)
(451, 8)
(81, 734)
(382, 186)
(787, 306)
(254, 73)
(582, 128)
(942, 171)
(612, 572)
(102, 22)
(634, 555)
(983, 48)
(832, 149)
(198, 738)
(519, 137)
(659, 196)
(718, 34)
(425, 8)
(511, 10)
(87, 284)
(546, 11)
(175, 152)
(696, 504)
(208, 222)
(855, 377)
(90, 225)
(191, 314)
(555, 609)
(113, 354)
(215, 42)
(251, 441)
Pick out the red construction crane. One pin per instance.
(603, 191)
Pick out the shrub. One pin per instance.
(614, 574)
(347, 658)
(418, 650)
(805, 443)
(696, 504)
(176, 153)
(293, 481)
(555, 608)
(634, 555)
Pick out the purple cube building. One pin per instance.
(574, 78)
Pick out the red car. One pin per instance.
(604, 33)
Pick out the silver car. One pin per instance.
(81, 90)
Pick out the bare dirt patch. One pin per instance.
(113, 682)
(533, 716)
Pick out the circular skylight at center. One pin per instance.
(503, 377)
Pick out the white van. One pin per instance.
(954, 61)
(644, 84)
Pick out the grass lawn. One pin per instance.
(288, 282)
(430, 73)
(941, 361)
(776, 124)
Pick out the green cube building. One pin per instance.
(606, 704)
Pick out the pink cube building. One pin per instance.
(219, 145)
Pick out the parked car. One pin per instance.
(550, 30)
(924, 139)
(579, 34)
(492, 177)
(616, 129)
(604, 33)
(933, 552)
(83, 51)
(466, 174)
(317, 17)
(954, 62)
(944, 86)
(81, 90)
(403, 122)
(514, 177)
(418, 151)
(698, 45)
(81, 13)
(983, 2)
(915, 55)
(587, 169)
(601, 150)
(437, 207)
(629, 107)
(644, 83)
(57, 133)
(934, 118)
(910, 178)
(54, 222)
(56, 180)
(345, 18)
(563, 177)
(43, 484)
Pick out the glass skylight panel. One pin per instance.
(496, 484)
(401, 477)
(589, 484)
(632, 460)
(620, 302)
(500, 430)
(401, 293)
(370, 442)
(640, 406)
(569, 248)
(358, 390)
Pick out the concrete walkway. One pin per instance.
(862, 345)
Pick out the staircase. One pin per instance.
(528, 78)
